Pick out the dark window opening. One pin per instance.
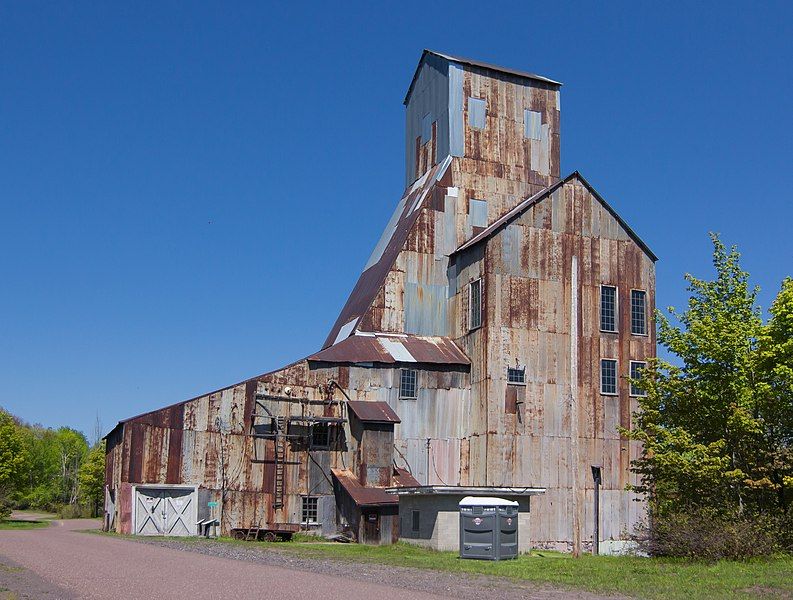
(416, 521)
(475, 320)
(608, 376)
(608, 308)
(320, 436)
(407, 384)
(639, 312)
(637, 367)
(309, 509)
(515, 375)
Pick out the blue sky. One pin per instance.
(189, 191)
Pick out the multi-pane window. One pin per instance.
(515, 375)
(608, 308)
(476, 113)
(639, 312)
(608, 376)
(320, 436)
(407, 384)
(309, 512)
(475, 316)
(636, 373)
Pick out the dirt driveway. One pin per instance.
(61, 562)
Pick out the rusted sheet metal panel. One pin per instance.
(363, 495)
(392, 349)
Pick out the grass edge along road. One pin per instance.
(652, 578)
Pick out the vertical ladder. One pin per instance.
(280, 456)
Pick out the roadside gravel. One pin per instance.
(464, 586)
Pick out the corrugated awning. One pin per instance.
(369, 496)
(373, 411)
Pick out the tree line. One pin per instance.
(47, 469)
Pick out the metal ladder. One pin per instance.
(280, 456)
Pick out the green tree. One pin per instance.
(710, 422)
(12, 460)
(92, 476)
(775, 390)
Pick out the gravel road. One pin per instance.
(63, 561)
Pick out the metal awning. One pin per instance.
(448, 490)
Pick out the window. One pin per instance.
(532, 124)
(407, 384)
(515, 375)
(608, 308)
(476, 113)
(637, 367)
(309, 512)
(608, 376)
(475, 311)
(639, 312)
(415, 520)
(320, 436)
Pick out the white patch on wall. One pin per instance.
(477, 109)
(426, 128)
(532, 124)
(477, 212)
(346, 330)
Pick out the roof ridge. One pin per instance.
(523, 205)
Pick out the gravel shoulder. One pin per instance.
(18, 583)
(454, 585)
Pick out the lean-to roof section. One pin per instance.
(385, 253)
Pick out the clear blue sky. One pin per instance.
(190, 191)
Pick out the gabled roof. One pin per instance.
(518, 210)
(364, 347)
(385, 253)
(473, 63)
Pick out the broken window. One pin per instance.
(516, 375)
(475, 310)
(477, 109)
(608, 308)
(608, 376)
(637, 367)
(309, 512)
(320, 436)
(407, 384)
(639, 312)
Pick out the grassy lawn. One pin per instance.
(639, 577)
(16, 524)
(653, 578)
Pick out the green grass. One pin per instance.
(15, 524)
(652, 578)
(631, 576)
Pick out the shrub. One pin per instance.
(74, 511)
(709, 535)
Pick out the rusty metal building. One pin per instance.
(494, 330)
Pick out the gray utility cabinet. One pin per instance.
(488, 528)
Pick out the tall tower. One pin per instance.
(500, 126)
